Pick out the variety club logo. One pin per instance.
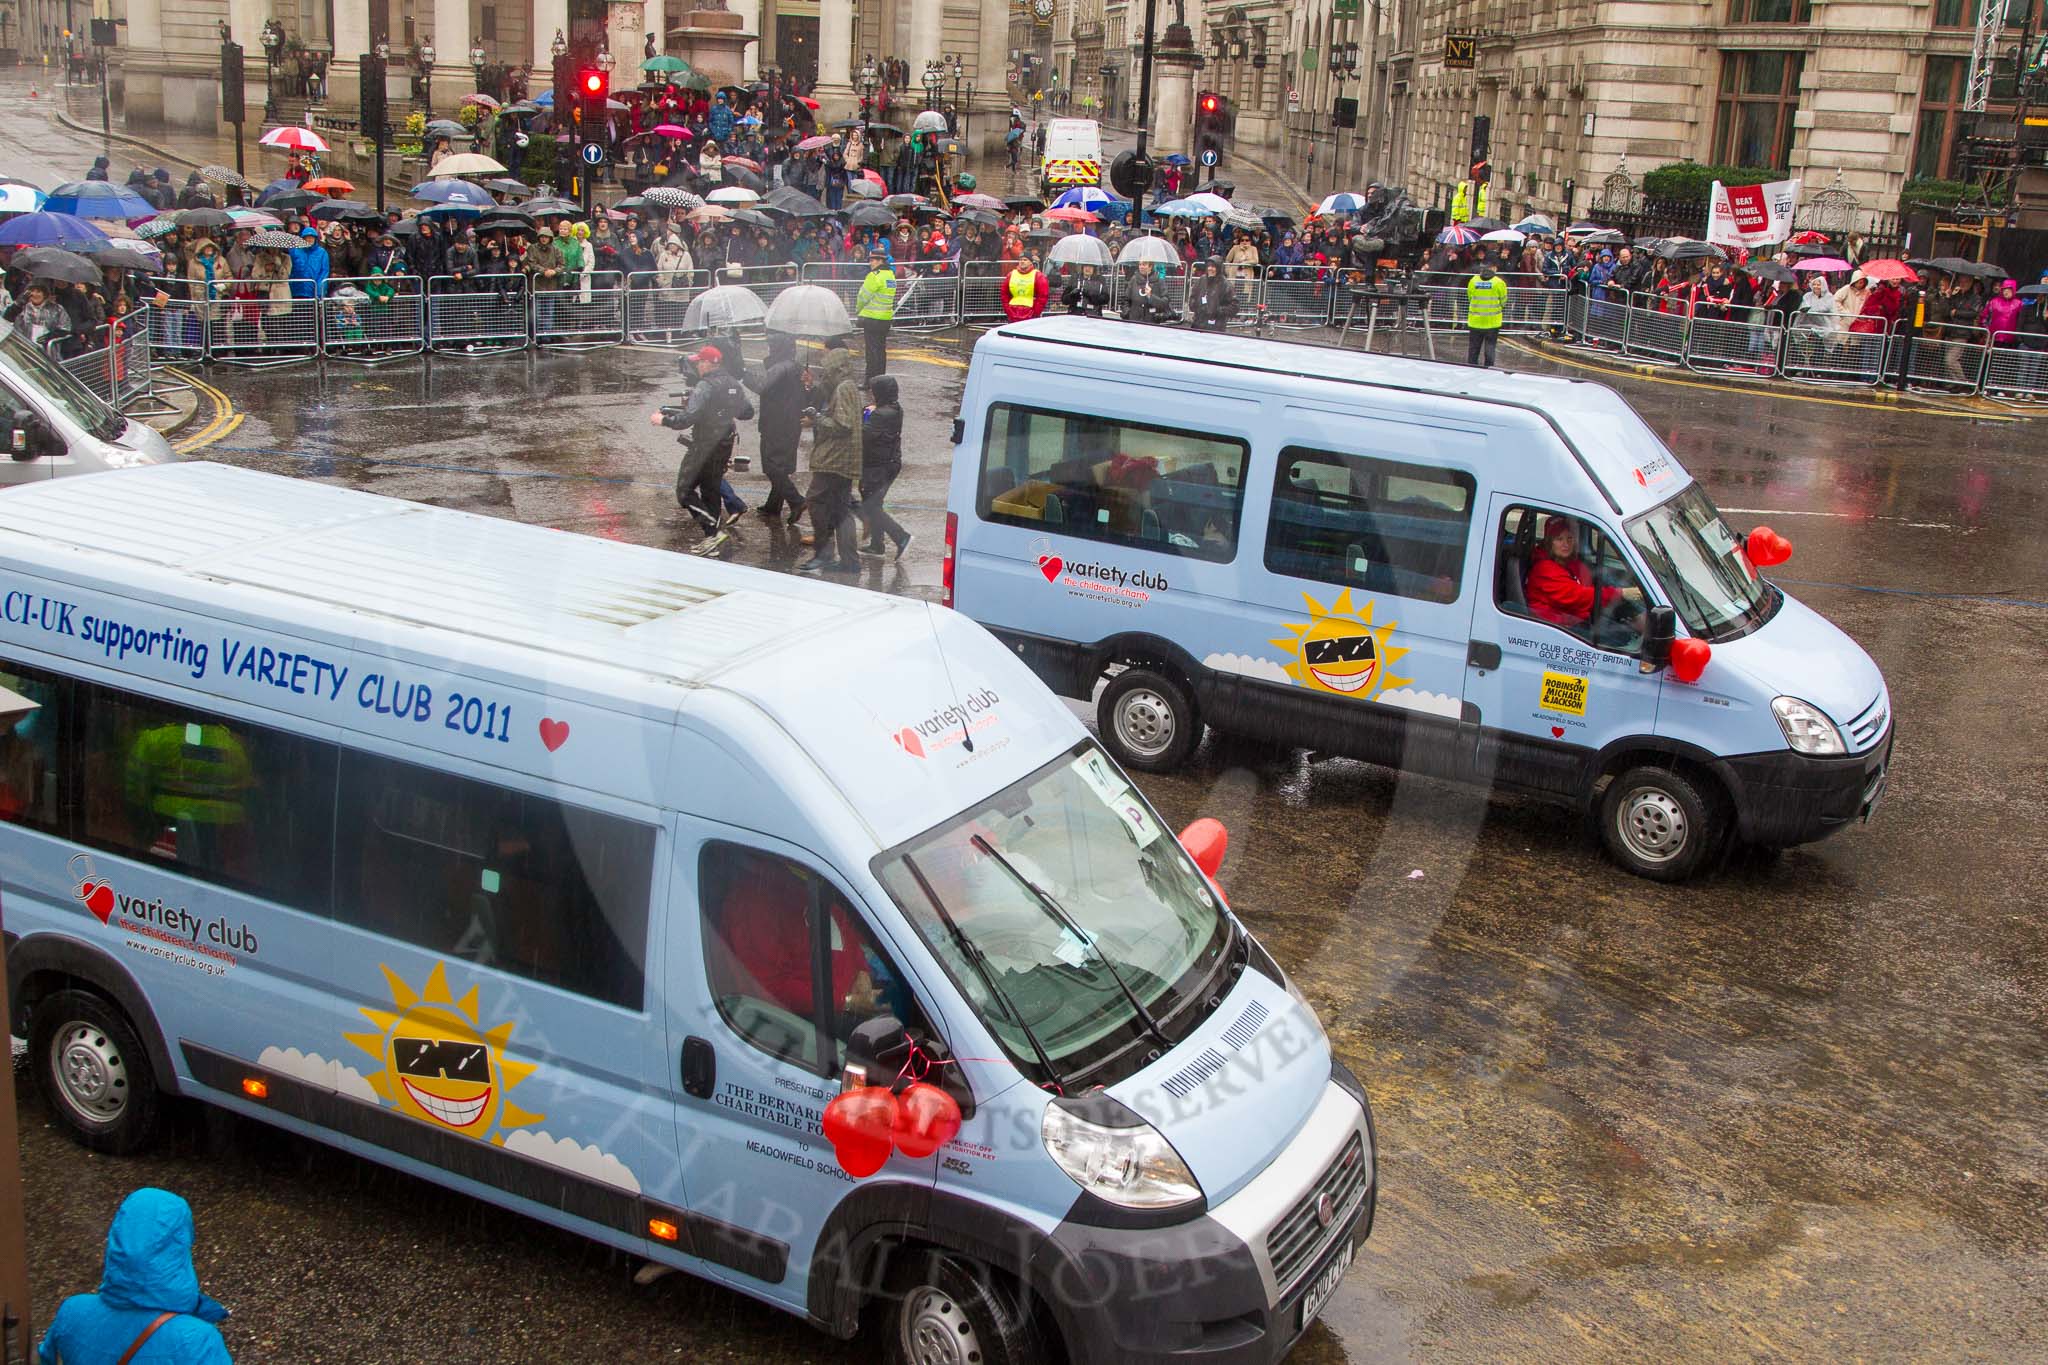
(1131, 586)
(168, 931)
(951, 725)
(1341, 651)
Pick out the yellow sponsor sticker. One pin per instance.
(1565, 693)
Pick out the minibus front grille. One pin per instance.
(1301, 1235)
(1866, 729)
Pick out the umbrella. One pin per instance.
(467, 163)
(481, 100)
(1240, 218)
(1537, 224)
(849, 123)
(807, 102)
(329, 185)
(457, 192)
(1504, 235)
(1770, 271)
(254, 218)
(662, 62)
(125, 253)
(16, 197)
(275, 241)
(295, 199)
(889, 129)
(2033, 291)
(1950, 265)
(812, 144)
(1177, 159)
(809, 310)
(1824, 264)
(50, 228)
(158, 227)
(504, 220)
(740, 177)
(445, 127)
(98, 199)
(753, 218)
(978, 200)
(871, 216)
(905, 201)
(725, 308)
(930, 121)
(1083, 197)
(1810, 237)
(1341, 203)
(546, 207)
(1079, 249)
(1603, 237)
(1182, 208)
(732, 194)
(795, 203)
(743, 163)
(1686, 249)
(668, 196)
(1457, 234)
(221, 175)
(1215, 203)
(55, 263)
(1984, 270)
(350, 213)
(864, 189)
(1071, 216)
(1484, 224)
(522, 109)
(710, 213)
(1809, 249)
(1888, 269)
(980, 216)
(631, 204)
(294, 140)
(1147, 251)
(672, 130)
(404, 227)
(505, 185)
(871, 176)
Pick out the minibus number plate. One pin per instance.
(1324, 1285)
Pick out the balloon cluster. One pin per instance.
(863, 1125)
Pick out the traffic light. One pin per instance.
(1214, 120)
(593, 88)
(231, 86)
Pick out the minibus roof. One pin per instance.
(1625, 459)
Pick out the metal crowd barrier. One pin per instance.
(1728, 346)
(491, 315)
(981, 291)
(2016, 374)
(389, 321)
(657, 303)
(1822, 355)
(1297, 295)
(176, 329)
(928, 298)
(1598, 322)
(1654, 334)
(1953, 361)
(583, 316)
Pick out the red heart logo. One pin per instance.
(860, 1125)
(1557, 732)
(927, 1118)
(907, 740)
(554, 733)
(1052, 566)
(98, 898)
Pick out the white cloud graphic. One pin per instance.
(1436, 703)
(314, 1069)
(1249, 666)
(571, 1155)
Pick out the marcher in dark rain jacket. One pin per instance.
(881, 460)
(148, 1274)
(780, 383)
(1086, 293)
(1212, 302)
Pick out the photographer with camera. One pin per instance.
(708, 422)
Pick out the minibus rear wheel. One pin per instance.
(1661, 822)
(93, 1072)
(1148, 721)
(944, 1310)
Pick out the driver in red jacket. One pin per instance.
(1560, 587)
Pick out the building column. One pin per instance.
(834, 91)
(452, 76)
(927, 39)
(988, 112)
(549, 18)
(351, 42)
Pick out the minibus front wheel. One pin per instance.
(1662, 822)
(1148, 720)
(945, 1310)
(93, 1072)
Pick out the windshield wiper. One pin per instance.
(1066, 922)
(970, 950)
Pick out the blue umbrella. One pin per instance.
(456, 192)
(272, 190)
(451, 211)
(1341, 203)
(1181, 208)
(98, 199)
(52, 229)
(1083, 197)
(18, 196)
(1178, 159)
(545, 99)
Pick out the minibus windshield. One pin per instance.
(1068, 915)
(51, 380)
(1703, 567)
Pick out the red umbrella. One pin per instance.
(742, 162)
(870, 176)
(812, 144)
(808, 103)
(1889, 270)
(1072, 215)
(1809, 238)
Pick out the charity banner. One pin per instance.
(1752, 215)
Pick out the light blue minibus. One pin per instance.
(786, 934)
(1503, 578)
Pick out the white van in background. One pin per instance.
(52, 425)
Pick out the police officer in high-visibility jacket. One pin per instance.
(1464, 206)
(875, 306)
(1486, 300)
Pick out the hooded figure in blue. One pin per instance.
(148, 1273)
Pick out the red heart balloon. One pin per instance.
(927, 1118)
(1689, 658)
(860, 1125)
(1766, 547)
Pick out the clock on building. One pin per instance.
(1043, 9)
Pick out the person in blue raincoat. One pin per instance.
(147, 1286)
(720, 121)
(309, 266)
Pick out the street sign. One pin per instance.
(1210, 156)
(593, 154)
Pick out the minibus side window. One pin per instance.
(505, 879)
(1159, 488)
(209, 796)
(788, 962)
(1591, 593)
(29, 762)
(1386, 526)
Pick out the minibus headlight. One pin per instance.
(1134, 1167)
(1806, 729)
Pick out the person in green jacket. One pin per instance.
(1486, 301)
(835, 464)
(875, 305)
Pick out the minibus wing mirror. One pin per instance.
(1206, 841)
(29, 438)
(880, 1050)
(1660, 628)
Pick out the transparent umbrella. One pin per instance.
(725, 308)
(808, 310)
(930, 121)
(1079, 249)
(1147, 251)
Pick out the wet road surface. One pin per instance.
(1791, 1110)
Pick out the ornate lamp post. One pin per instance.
(932, 79)
(273, 43)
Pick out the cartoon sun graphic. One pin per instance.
(439, 1065)
(1340, 650)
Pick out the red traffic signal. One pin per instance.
(1209, 103)
(592, 82)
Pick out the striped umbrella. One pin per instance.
(294, 140)
(1457, 234)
